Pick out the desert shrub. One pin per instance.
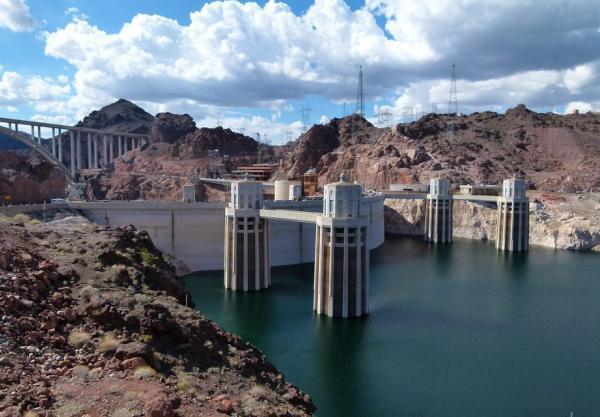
(80, 371)
(87, 292)
(108, 343)
(22, 218)
(144, 371)
(147, 257)
(78, 338)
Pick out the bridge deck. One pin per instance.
(69, 128)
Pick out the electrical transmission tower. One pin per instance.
(452, 102)
(305, 114)
(360, 99)
(434, 108)
(407, 114)
(384, 117)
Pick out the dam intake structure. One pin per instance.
(438, 212)
(341, 287)
(512, 208)
(247, 263)
(341, 271)
(513, 217)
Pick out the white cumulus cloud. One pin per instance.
(235, 55)
(15, 16)
(41, 93)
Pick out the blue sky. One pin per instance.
(254, 65)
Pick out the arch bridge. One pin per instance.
(70, 148)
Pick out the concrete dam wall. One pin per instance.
(194, 233)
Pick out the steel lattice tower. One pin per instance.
(452, 102)
(360, 99)
(305, 114)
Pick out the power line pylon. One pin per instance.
(407, 114)
(384, 117)
(305, 114)
(360, 99)
(452, 102)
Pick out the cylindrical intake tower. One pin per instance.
(438, 212)
(341, 280)
(247, 264)
(513, 217)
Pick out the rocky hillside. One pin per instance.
(178, 149)
(94, 322)
(28, 178)
(554, 152)
(120, 116)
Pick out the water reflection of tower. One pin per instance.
(339, 359)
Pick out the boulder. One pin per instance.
(159, 406)
(135, 350)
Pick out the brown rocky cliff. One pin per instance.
(198, 143)
(26, 177)
(169, 127)
(96, 313)
(553, 152)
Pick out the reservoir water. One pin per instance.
(454, 331)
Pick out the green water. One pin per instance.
(454, 331)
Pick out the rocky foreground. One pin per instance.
(94, 323)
